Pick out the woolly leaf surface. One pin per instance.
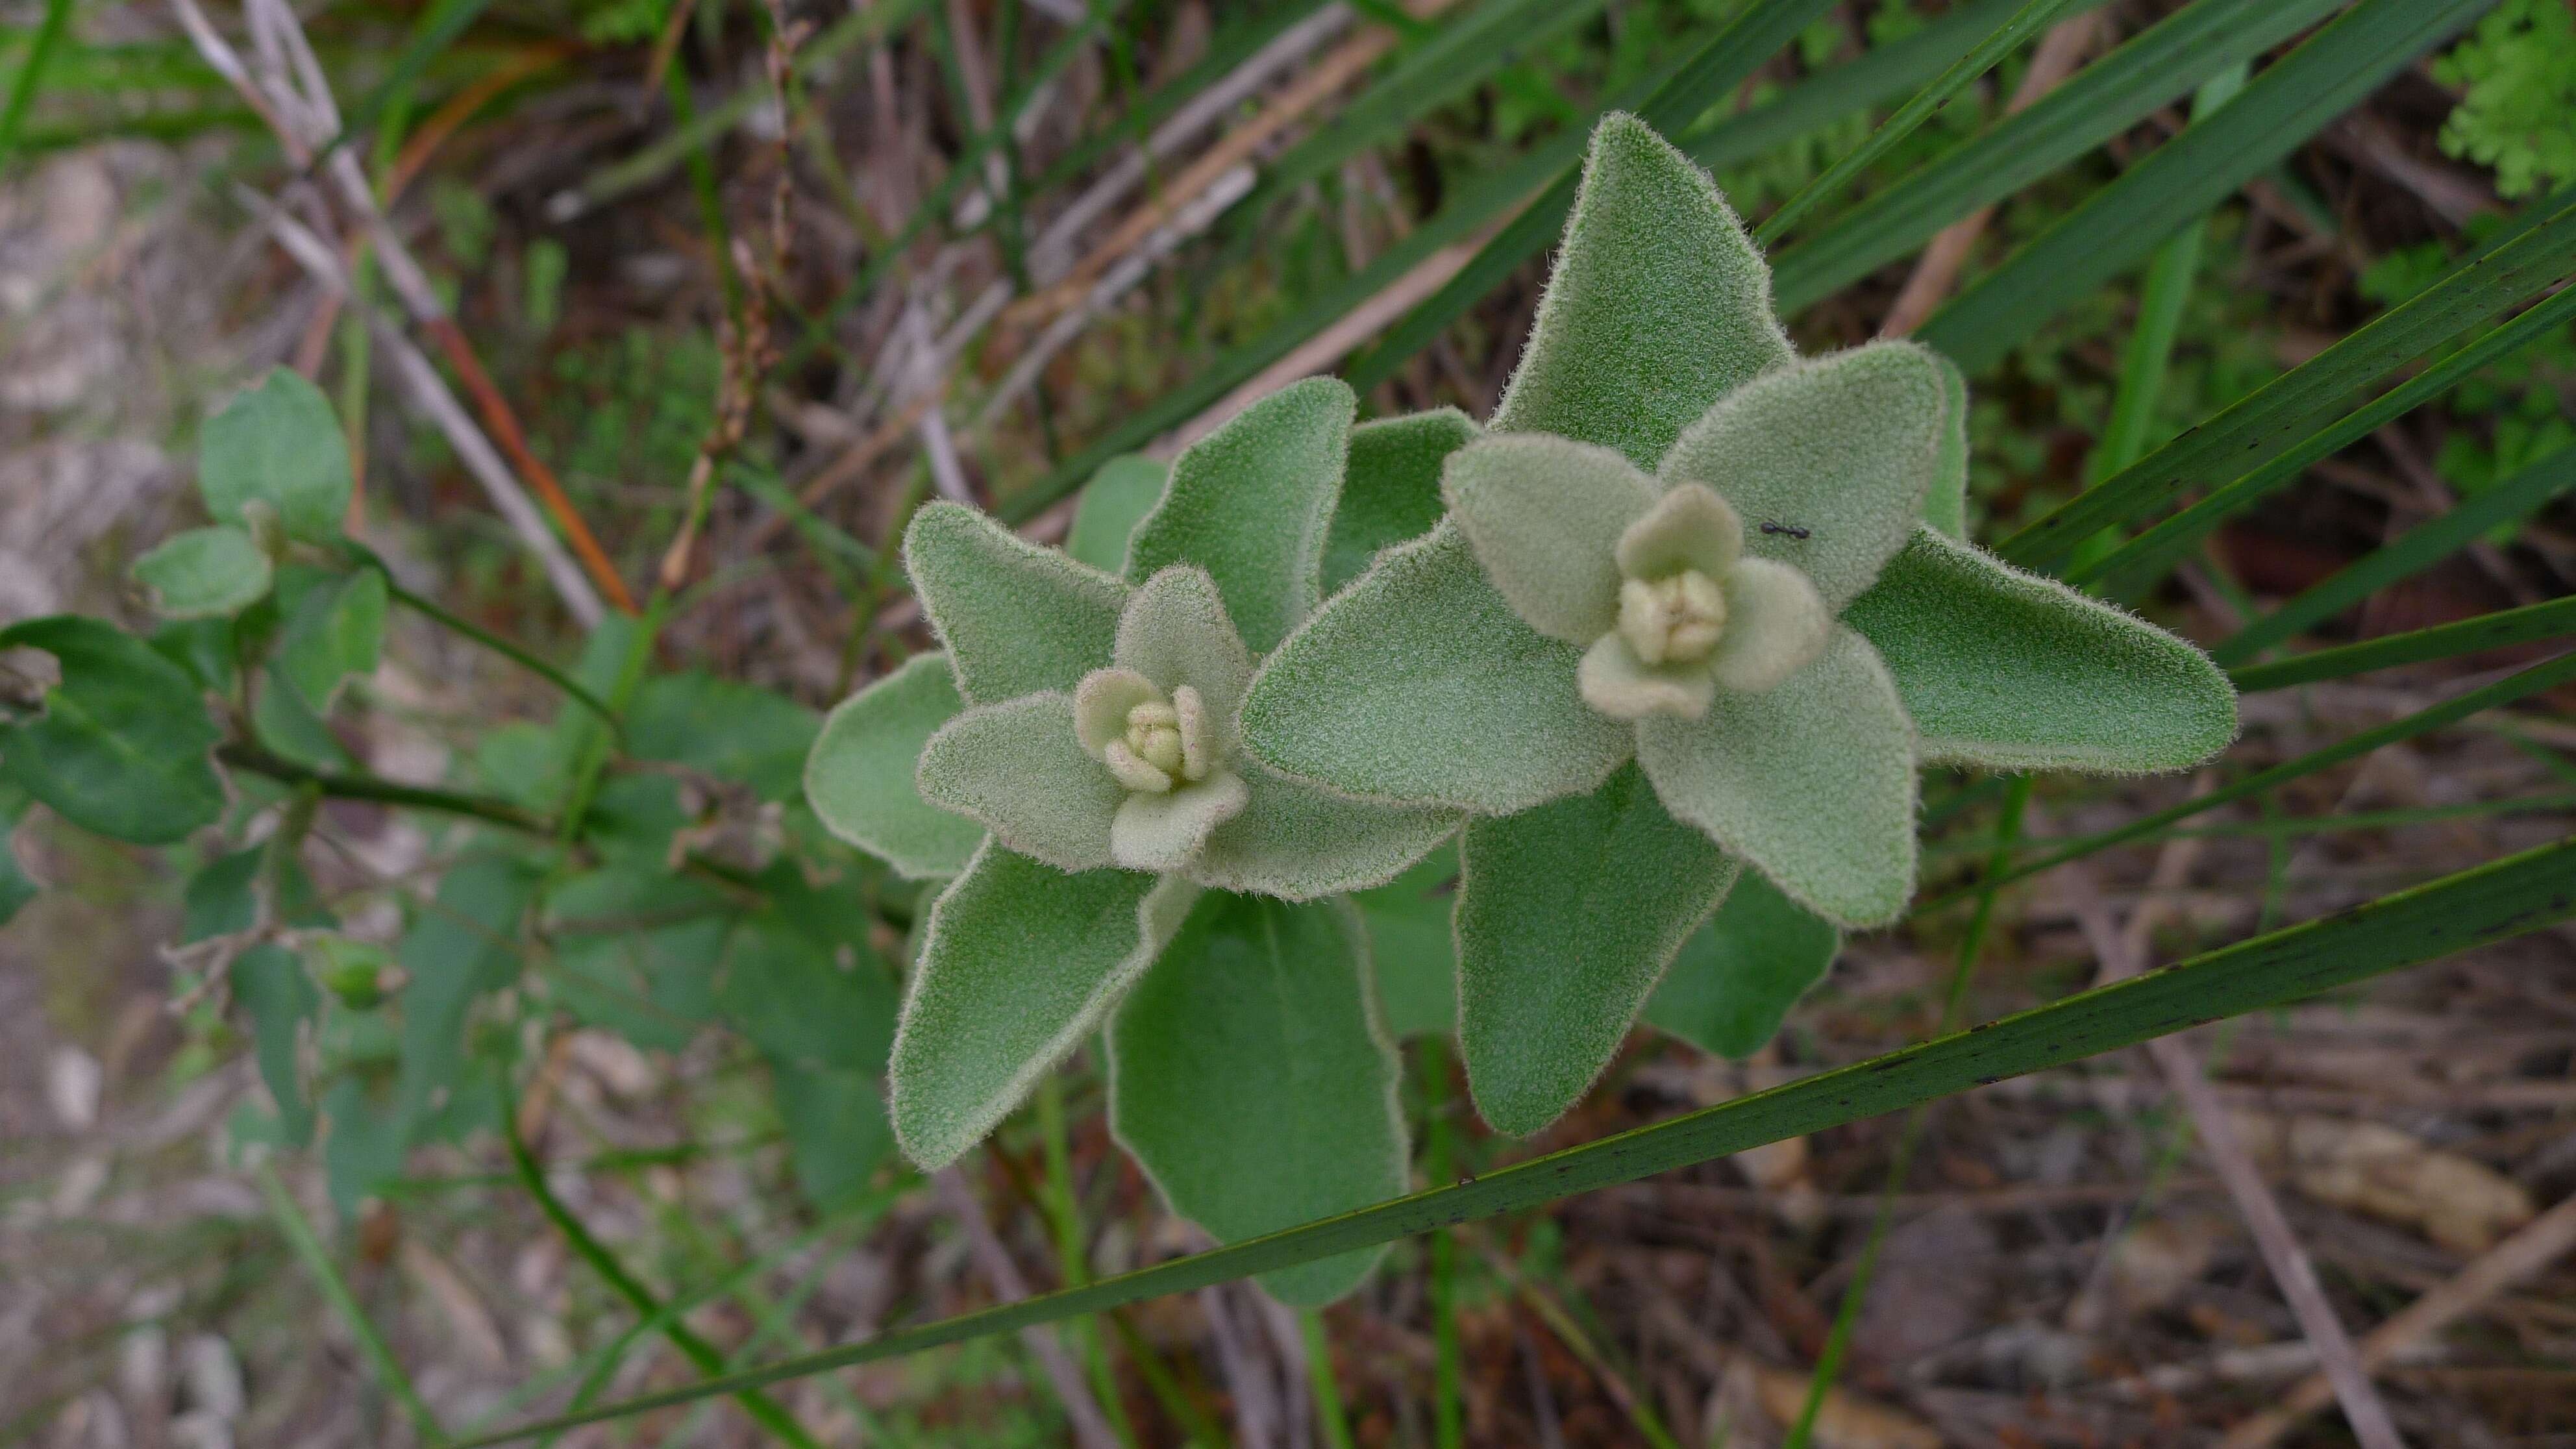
(204, 573)
(1121, 493)
(1251, 504)
(1567, 914)
(1945, 507)
(1843, 449)
(859, 778)
(1390, 488)
(2011, 671)
(1544, 515)
(1418, 685)
(1811, 783)
(1252, 1080)
(1016, 618)
(279, 445)
(1168, 831)
(1175, 632)
(1018, 768)
(1019, 963)
(1413, 946)
(1736, 977)
(1659, 304)
(121, 746)
(1297, 841)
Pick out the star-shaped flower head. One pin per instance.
(1073, 759)
(1606, 654)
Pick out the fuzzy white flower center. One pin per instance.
(1154, 733)
(1161, 744)
(1676, 619)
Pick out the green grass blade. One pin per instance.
(2117, 226)
(2146, 558)
(2096, 104)
(2551, 620)
(2418, 549)
(1669, 102)
(335, 1291)
(1988, 54)
(2261, 427)
(2490, 903)
(1847, 88)
(2548, 674)
(31, 73)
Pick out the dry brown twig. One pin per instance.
(2124, 951)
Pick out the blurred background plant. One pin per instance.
(597, 1117)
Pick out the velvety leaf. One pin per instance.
(1811, 783)
(204, 573)
(121, 744)
(1390, 488)
(1166, 832)
(859, 777)
(1021, 961)
(1018, 768)
(636, 949)
(2012, 671)
(1413, 947)
(462, 946)
(785, 992)
(1659, 304)
(1418, 685)
(731, 730)
(1175, 632)
(1840, 449)
(1544, 515)
(271, 986)
(836, 1125)
(335, 627)
(1251, 503)
(1567, 915)
(1299, 842)
(1737, 977)
(1251, 1079)
(1016, 618)
(1945, 507)
(1121, 493)
(279, 444)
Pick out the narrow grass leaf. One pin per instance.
(2533, 622)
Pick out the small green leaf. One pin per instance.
(1390, 488)
(731, 730)
(1829, 462)
(2012, 671)
(836, 1125)
(1418, 685)
(859, 778)
(120, 746)
(462, 946)
(1945, 507)
(1545, 515)
(1659, 305)
(784, 990)
(636, 949)
(1250, 1077)
(1176, 631)
(1412, 945)
(204, 573)
(1019, 769)
(1016, 618)
(1251, 503)
(1124, 490)
(1737, 977)
(1020, 962)
(335, 627)
(279, 444)
(368, 1141)
(1811, 783)
(1567, 914)
(1298, 842)
(270, 984)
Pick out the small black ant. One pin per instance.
(1796, 533)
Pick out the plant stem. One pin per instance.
(335, 1291)
(343, 786)
(1328, 1389)
(1449, 1391)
